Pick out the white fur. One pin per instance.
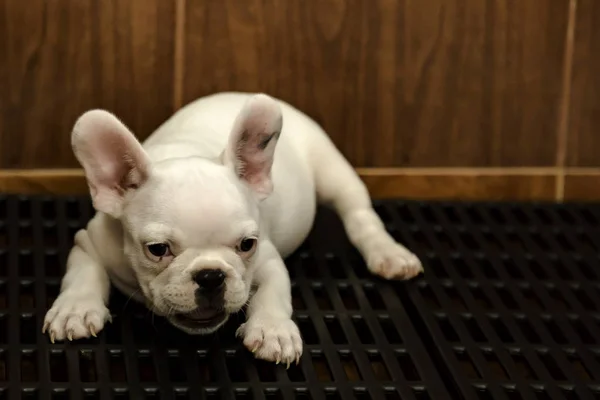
(201, 181)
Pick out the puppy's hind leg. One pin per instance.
(339, 186)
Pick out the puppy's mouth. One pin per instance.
(199, 320)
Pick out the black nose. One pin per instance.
(210, 279)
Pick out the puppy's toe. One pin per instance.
(297, 343)
(270, 348)
(75, 327)
(94, 320)
(252, 337)
(393, 261)
(288, 353)
(54, 325)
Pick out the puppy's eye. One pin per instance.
(158, 249)
(247, 245)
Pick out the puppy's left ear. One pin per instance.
(252, 143)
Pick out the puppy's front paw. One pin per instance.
(272, 339)
(75, 316)
(391, 260)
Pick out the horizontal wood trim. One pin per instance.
(456, 171)
(411, 183)
(36, 181)
(472, 185)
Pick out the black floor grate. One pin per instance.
(509, 309)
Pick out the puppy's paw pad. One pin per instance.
(393, 261)
(75, 317)
(272, 339)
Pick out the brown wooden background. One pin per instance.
(428, 98)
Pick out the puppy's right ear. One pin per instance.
(112, 158)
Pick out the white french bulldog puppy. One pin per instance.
(196, 222)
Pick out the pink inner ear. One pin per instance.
(253, 141)
(113, 159)
(255, 158)
(114, 164)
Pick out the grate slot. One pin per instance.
(58, 366)
(362, 330)
(116, 366)
(87, 366)
(29, 366)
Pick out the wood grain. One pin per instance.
(60, 58)
(584, 134)
(395, 83)
(475, 185)
(423, 184)
(582, 187)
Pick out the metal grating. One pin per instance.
(509, 309)
(511, 302)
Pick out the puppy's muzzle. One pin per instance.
(209, 297)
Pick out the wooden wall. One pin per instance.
(428, 98)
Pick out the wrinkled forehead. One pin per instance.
(213, 210)
(199, 204)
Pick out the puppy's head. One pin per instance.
(192, 226)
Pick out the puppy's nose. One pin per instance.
(210, 279)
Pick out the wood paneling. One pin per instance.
(60, 58)
(582, 186)
(584, 134)
(395, 83)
